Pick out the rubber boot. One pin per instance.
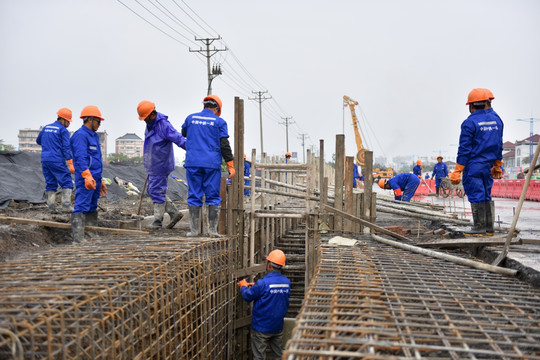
(66, 200)
(77, 227)
(159, 211)
(213, 220)
(437, 191)
(479, 220)
(91, 218)
(490, 215)
(51, 200)
(194, 220)
(173, 212)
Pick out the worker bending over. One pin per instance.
(271, 303)
(88, 163)
(404, 185)
(158, 159)
(55, 154)
(440, 170)
(207, 142)
(417, 169)
(480, 158)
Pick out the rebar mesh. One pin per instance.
(376, 302)
(129, 299)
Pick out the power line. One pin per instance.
(286, 123)
(208, 54)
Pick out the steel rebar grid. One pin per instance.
(376, 302)
(144, 298)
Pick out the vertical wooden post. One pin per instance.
(347, 198)
(236, 221)
(367, 205)
(321, 176)
(252, 210)
(338, 189)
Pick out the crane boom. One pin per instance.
(360, 155)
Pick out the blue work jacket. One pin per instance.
(271, 302)
(204, 132)
(407, 182)
(440, 170)
(417, 170)
(158, 154)
(86, 153)
(54, 141)
(480, 141)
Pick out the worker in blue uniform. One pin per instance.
(88, 163)
(207, 143)
(57, 160)
(356, 175)
(271, 303)
(480, 159)
(247, 173)
(417, 169)
(158, 159)
(404, 185)
(440, 170)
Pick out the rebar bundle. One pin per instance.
(146, 298)
(373, 301)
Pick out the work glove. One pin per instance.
(496, 171)
(398, 192)
(70, 166)
(455, 177)
(103, 190)
(230, 166)
(242, 283)
(89, 182)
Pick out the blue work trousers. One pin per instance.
(86, 200)
(203, 181)
(477, 182)
(157, 188)
(56, 173)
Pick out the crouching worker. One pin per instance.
(271, 302)
(404, 185)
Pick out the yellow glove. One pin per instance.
(103, 190)
(496, 171)
(455, 177)
(230, 166)
(89, 182)
(70, 166)
(242, 283)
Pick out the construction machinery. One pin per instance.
(379, 174)
(361, 154)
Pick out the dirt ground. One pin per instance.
(17, 239)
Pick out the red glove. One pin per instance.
(455, 177)
(230, 166)
(242, 283)
(89, 182)
(103, 190)
(398, 192)
(496, 171)
(70, 166)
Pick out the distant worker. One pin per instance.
(440, 170)
(404, 185)
(158, 159)
(480, 158)
(88, 163)
(207, 142)
(356, 175)
(417, 169)
(271, 303)
(288, 156)
(427, 176)
(55, 154)
(247, 173)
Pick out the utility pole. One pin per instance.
(532, 120)
(287, 123)
(260, 100)
(303, 138)
(208, 53)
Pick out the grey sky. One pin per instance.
(409, 64)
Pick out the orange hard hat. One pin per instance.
(65, 114)
(418, 162)
(479, 94)
(91, 110)
(439, 157)
(288, 154)
(277, 257)
(216, 99)
(382, 183)
(144, 109)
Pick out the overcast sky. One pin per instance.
(409, 64)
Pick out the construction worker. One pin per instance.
(55, 154)
(207, 142)
(271, 302)
(158, 159)
(480, 158)
(440, 170)
(288, 156)
(88, 163)
(404, 185)
(417, 169)
(247, 173)
(356, 175)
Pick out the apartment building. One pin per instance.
(130, 145)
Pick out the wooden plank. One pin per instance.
(469, 242)
(252, 270)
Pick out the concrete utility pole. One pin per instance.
(208, 53)
(260, 100)
(287, 123)
(303, 138)
(532, 120)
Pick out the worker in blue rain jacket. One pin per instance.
(271, 303)
(158, 159)
(479, 158)
(57, 160)
(207, 143)
(417, 169)
(88, 163)
(440, 170)
(247, 173)
(404, 185)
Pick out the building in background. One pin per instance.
(523, 150)
(130, 145)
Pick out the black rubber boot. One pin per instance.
(91, 218)
(194, 220)
(173, 212)
(213, 220)
(159, 211)
(77, 227)
(490, 215)
(479, 220)
(437, 191)
(66, 200)
(51, 200)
